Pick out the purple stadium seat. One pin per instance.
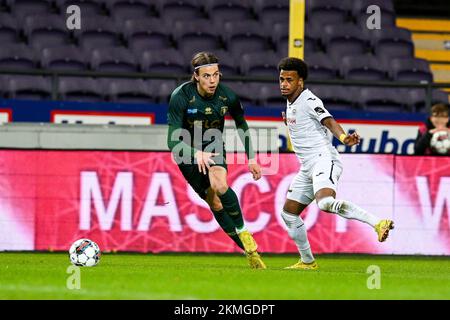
(388, 34)
(87, 7)
(192, 43)
(81, 89)
(162, 89)
(113, 60)
(411, 69)
(97, 32)
(168, 61)
(129, 9)
(29, 87)
(247, 43)
(146, 34)
(320, 66)
(416, 98)
(128, 91)
(381, 99)
(68, 58)
(270, 5)
(270, 95)
(9, 29)
(260, 64)
(22, 8)
(246, 28)
(271, 16)
(228, 10)
(248, 92)
(279, 30)
(363, 67)
(325, 11)
(344, 39)
(390, 50)
(227, 64)
(188, 27)
(179, 10)
(17, 57)
(335, 97)
(282, 47)
(46, 31)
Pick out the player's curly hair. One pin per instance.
(200, 59)
(294, 64)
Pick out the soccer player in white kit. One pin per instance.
(308, 122)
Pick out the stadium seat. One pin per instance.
(22, 8)
(245, 28)
(67, 58)
(270, 95)
(168, 61)
(198, 26)
(189, 44)
(381, 99)
(280, 30)
(320, 66)
(128, 91)
(81, 89)
(97, 32)
(113, 60)
(344, 39)
(121, 10)
(145, 34)
(271, 16)
(388, 34)
(260, 64)
(363, 67)
(173, 10)
(227, 64)
(335, 98)
(395, 49)
(87, 7)
(270, 5)
(17, 57)
(229, 10)
(416, 98)
(247, 92)
(327, 11)
(46, 31)
(411, 69)
(29, 87)
(162, 89)
(9, 29)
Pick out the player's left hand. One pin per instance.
(254, 168)
(352, 139)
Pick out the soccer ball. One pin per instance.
(84, 253)
(440, 142)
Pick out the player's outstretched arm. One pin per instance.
(338, 132)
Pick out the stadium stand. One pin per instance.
(248, 36)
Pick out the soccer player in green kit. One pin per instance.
(196, 120)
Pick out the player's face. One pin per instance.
(439, 120)
(290, 83)
(208, 79)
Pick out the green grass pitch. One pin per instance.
(222, 276)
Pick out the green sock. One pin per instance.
(231, 205)
(227, 225)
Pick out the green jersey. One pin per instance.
(190, 111)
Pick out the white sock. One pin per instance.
(347, 210)
(297, 232)
(244, 228)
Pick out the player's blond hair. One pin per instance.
(200, 59)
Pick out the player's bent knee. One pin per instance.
(219, 187)
(325, 204)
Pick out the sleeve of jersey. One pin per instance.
(237, 113)
(175, 114)
(317, 111)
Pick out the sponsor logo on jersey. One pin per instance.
(291, 121)
(223, 110)
(319, 110)
(192, 111)
(208, 110)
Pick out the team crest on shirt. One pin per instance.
(319, 110)
(208, 110)
(223, 110)
(223, 98)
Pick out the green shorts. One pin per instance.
(199, 181)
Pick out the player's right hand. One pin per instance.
(204, 160)
(283, 115)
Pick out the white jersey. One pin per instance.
(308, 136)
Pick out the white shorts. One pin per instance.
(325, 173)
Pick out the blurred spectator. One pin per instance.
(438, 121)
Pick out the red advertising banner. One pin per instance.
(139, 201)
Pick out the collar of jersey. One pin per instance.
(301, 93)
